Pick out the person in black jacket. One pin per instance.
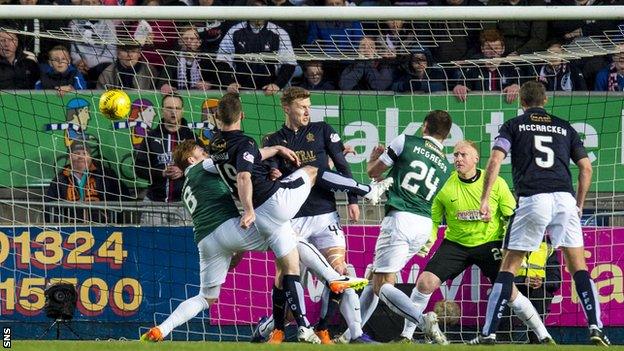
(558, 75)
(153, 161)
(419, 74)
(257, 37)
(487, 72)
(86, 181)
(314, 77)
(17, 71)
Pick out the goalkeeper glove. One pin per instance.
(424, 250)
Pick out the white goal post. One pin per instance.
(347, 13)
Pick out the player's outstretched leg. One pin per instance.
(183, 313)
(336, 182)
(315, 261)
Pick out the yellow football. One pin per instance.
(115, 104)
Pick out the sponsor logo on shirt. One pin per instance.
(469, 215)
(334, 137)
(248, 157)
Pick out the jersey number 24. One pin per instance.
(412, 180)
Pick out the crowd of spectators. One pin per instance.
(398, 56)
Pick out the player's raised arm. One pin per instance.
(578, 154)
(491, 173)
(376, 167)
(284, 152)
(245, 191)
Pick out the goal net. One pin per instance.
(84, 199)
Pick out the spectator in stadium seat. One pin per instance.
(186, 69)
(128, 71)
(297, 30)
(17, 71)
(559, 75)
(259, 36)
(89, 54)
(39, 46)
(153, 160)
(211, 32)
(522, 37)
(369, 72)
(83, 180)
(61, 75)
(336, 35)
(314, 77)
(611, 77)
(419, 74)
(462, 38)
(575, 30)
(490, 75)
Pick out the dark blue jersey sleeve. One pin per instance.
(271, 140)
(504, 138)
(577, 149)
(334, 148)
(246, 155)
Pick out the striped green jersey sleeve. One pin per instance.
(459, 201)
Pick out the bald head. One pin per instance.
(466, 158)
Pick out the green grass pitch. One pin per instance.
(242, 346)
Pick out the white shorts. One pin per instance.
(402, 235)
(322, 231)
(554, 213)
(274, 215)
(217, 248)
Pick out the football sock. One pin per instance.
(501, 292)
(183, 313)
(294, 298)
(588, 297)
(331, 300)
(525, 310)
(421, 301)
(400, 303)
(350, 309)
(337, 182)
(279, 308)
(368, 304)
(314, 260)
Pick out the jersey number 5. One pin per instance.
(411, 179)
(549, 160)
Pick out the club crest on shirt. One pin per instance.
(248, 157)
(310, 137)
(218, 145)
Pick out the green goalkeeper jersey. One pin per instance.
(419, 169)
(207, 198)
(459, 202)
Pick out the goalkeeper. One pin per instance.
(468, 240)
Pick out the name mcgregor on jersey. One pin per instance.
(542, 128)
(433, 157)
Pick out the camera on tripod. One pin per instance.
(60, 305)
